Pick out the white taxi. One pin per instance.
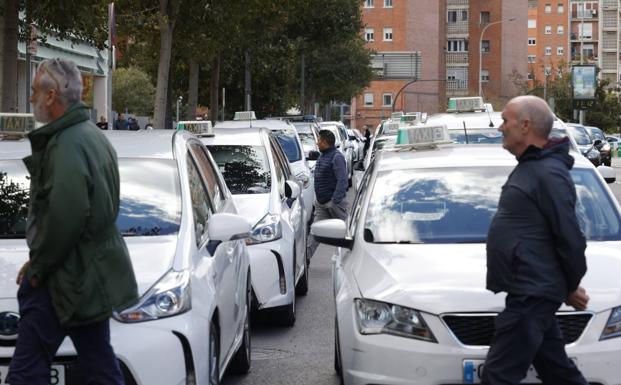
(186, 244)
(409, 273)
(265, 191)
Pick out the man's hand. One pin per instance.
(22, 272)
(578, 299)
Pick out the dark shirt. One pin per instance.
(121, 124)
(330, 176)
(535, 246)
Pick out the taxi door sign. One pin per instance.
(16, 124)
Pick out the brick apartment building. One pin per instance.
(444, 35)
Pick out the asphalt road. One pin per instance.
(303, 354)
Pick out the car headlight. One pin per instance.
(592, 154)
(606, 147)
(613, 326)
(383, 318)
(266, 230)
(304, 179)
(170, 296)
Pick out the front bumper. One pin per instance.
(271, 264)
(386, 359)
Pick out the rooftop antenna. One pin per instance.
(489, 115)
(465, 131)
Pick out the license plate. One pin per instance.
(473, 371)
(57, 375)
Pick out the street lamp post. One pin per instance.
(481, 51)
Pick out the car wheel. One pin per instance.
(241, 361)
(214, 354)
(302, 287)
(338, 366)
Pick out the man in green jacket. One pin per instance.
(79, 270)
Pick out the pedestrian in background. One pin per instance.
(121, 123)
(535, 251)
(367, 139)
(102, 124)
(330, 183)
(79, 270)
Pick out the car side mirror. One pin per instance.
(224, 227)
(313, 155)
(292, 190)
(332, 232)
(608, 173)
(597, 143)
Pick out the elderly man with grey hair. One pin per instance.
(79, 270)
(535, 251)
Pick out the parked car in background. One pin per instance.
(308, 133)
(358, 141)
(602, 145)
(584, 142)
(187, 248)
(614, 142)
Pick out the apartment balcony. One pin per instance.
(576, 39)
(588, 59)
(610, 4)
(457, 58)
(587, 15)
(456, 85)
(458, 28)
(457, 3)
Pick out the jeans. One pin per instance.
(323, 211)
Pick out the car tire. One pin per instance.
(214, 354)
(302, 287)
(240, 363)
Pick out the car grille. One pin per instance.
(478, 330)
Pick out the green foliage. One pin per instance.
(132, 90)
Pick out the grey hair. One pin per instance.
(537, 111)
(64, 76)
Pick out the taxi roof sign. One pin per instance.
(196, 127)
(396, 115)
(423, 136)
(245, 115)
(411, 117)
(16, 124)
(467, 104)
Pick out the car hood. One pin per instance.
(451, 278)
(151, 258)
(584, 148)
(253, 207)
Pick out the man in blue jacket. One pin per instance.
(330, 183)
(535, 251)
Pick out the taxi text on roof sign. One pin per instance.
(422, 136)
(197, 127)
(16, 124)
(466, 104)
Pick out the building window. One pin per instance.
(560, 8)
(548, 51)
(484, 75)
(532, 58)
(455, 16)
(532, 23)
(560, 29)
(485, 47)
(387, 100)
(368, 4)
(531, 76)
(585, 30)
(548, 8)
(387, 3)
(368, 100)
(548, 29)
(560, 50)
(387, 34)
(484, 17)
(369, 34)
(457, 46)
(532, 41)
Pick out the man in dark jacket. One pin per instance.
(330, 183)
(79, 270)
(535, 251)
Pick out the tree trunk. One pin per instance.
(8, 103)
(214, 103)
(167, 24)
(193, 90)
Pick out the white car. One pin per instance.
(357, 141)
(186, 244)
(410, 270)
(264, 189)
(307, 131)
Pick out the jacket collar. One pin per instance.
(555, 147)
(75, 114)
(328, 150)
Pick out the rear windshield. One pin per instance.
(245, 168)
(150, 202)
(580, 135)
(476, 136)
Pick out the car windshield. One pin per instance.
(596, 133)
(580, 135)
(476, 136)
(150, 201)
(308, 140)
(289, 144)
(245, 168)
(457, 205)
(304, 128)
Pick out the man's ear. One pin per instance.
(50, 97)
(526, 126)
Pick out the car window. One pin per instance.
(282, 159)
(359, 200)
(201, 206)
(245, 169)
(597, 134)
(280, 175)
(476, 136)
(580, 135)
(14, 198)
(289, 144)
(209, 175)
(304, 128)
(457, 205)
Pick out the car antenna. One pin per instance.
(489, 115)
(465, 130)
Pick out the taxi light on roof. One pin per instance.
(391, 126)
(16, 124)
(245, 115)
(396, 115)
(197, 127)
(466, 104)
(411, 118)
(423, 136)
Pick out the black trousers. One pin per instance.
(40, 335)
(527, 332)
